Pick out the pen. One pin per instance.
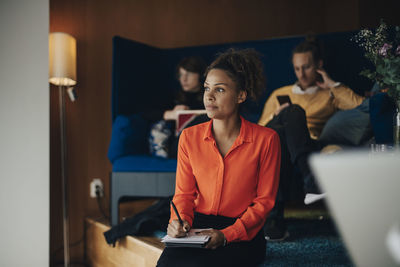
(177, 213)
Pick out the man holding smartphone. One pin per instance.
(298, 113)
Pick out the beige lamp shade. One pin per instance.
(62, 59)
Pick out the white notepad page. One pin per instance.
(192, 237)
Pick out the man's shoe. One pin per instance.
(275, 230)
(312, 191)
(311, 198)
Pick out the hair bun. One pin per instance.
(311, 44)
(311, 38)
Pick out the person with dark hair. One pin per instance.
(228, 171)
(190, 73)
(314, 98)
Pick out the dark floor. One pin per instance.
(313, 240)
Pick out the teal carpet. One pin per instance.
(311, 243)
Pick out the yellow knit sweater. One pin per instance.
(319, 106)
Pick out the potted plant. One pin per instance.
(382, 48)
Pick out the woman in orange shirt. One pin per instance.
(228, 171)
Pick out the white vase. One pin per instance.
(396, 125)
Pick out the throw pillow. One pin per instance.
(348, 127)
(128, 136)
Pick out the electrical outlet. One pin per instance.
(96, 183)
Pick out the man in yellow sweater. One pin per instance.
(314, 98)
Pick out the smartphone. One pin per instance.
(319, 78)
(282, 99)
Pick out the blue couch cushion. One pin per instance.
(348, 127)
(144, 163)
(128, 136)
(381, 112)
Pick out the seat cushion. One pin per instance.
(144, 163)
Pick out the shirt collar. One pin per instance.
(245, 134)
(309, 90)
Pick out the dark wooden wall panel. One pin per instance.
(164, 24)
(371, 11)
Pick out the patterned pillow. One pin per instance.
(159, 138)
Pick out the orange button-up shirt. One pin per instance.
(242, 185)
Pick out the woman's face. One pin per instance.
(190, 81)
(221, 95)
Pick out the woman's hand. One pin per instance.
(327, 82)
(172, 114)
(217, 238)
(175, 229)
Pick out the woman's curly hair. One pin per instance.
(244, 67)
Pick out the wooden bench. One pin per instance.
(129, 251)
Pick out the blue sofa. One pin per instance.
(143, 78)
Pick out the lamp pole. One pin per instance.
(64, 177)
(62, 72)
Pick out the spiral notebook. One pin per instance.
(193, 239)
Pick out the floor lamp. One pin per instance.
(62, 72)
